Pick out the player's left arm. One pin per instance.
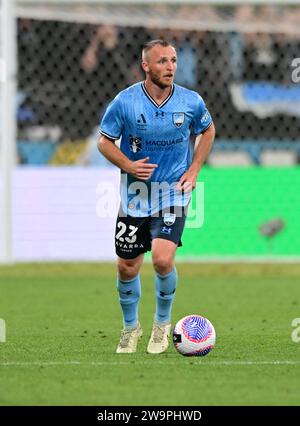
(188, 180)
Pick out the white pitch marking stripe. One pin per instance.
(133, 362)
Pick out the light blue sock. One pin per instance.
(129, 296)
(165, 292)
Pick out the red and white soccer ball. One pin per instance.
(194, 335)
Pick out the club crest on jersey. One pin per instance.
(135, 144)
(178, 119)
(169, 218)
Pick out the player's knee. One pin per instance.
(163, 264)
(127, 269)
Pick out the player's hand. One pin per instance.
(187, 182)
(141, 169)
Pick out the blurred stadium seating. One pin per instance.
(72, 62)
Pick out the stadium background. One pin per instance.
(62, 318)
(70, 63)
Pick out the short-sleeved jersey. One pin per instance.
(160, 132)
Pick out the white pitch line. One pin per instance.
(133, 362)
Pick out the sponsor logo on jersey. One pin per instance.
(141, 122)
(169, 218)
(152, 145)
(142, 119)
(165, 142)
(205, 118)
(125, 246)
(135, 144)
(178, 118)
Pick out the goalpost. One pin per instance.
(8, 123)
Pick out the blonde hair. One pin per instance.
(150, 44)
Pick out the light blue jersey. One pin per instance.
(160, 132)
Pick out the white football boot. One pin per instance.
(129, 340)
(159, 340)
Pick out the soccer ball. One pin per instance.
(194, 335)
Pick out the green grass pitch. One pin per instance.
(63, 324)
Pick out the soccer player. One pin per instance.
(159, 168)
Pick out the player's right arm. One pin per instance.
(111, 127)
(140, 169)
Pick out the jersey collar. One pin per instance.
(152, 100)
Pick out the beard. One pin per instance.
(156, 80)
